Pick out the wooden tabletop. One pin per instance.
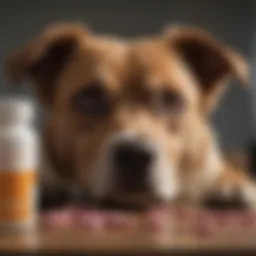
(180, 242)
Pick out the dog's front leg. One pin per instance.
(231, 189)
(211, 181)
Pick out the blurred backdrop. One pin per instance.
(233, 22)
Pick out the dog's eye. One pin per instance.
(92, 101)
(171, 101)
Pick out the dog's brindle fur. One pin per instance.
(66, 58)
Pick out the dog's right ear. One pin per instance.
(42, 58)
(210, 61)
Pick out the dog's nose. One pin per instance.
(132, 161)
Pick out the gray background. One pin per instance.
(231, 21)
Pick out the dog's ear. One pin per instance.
(210, 61)
(42, 58)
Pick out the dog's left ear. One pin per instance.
(210, 61)
(41, 59)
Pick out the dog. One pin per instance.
(128, 119)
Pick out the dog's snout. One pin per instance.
(132, 161)
(131, 154)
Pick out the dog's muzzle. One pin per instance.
(132, 170)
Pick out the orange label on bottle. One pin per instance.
(17, 193)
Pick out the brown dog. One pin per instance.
(128, 119)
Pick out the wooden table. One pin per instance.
(126, 243)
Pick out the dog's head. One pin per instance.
(119, 112)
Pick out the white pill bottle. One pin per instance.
(18, 165)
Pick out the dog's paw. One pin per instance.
(249, 195)
(51, 198)
(232, 197)
(62, 196)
